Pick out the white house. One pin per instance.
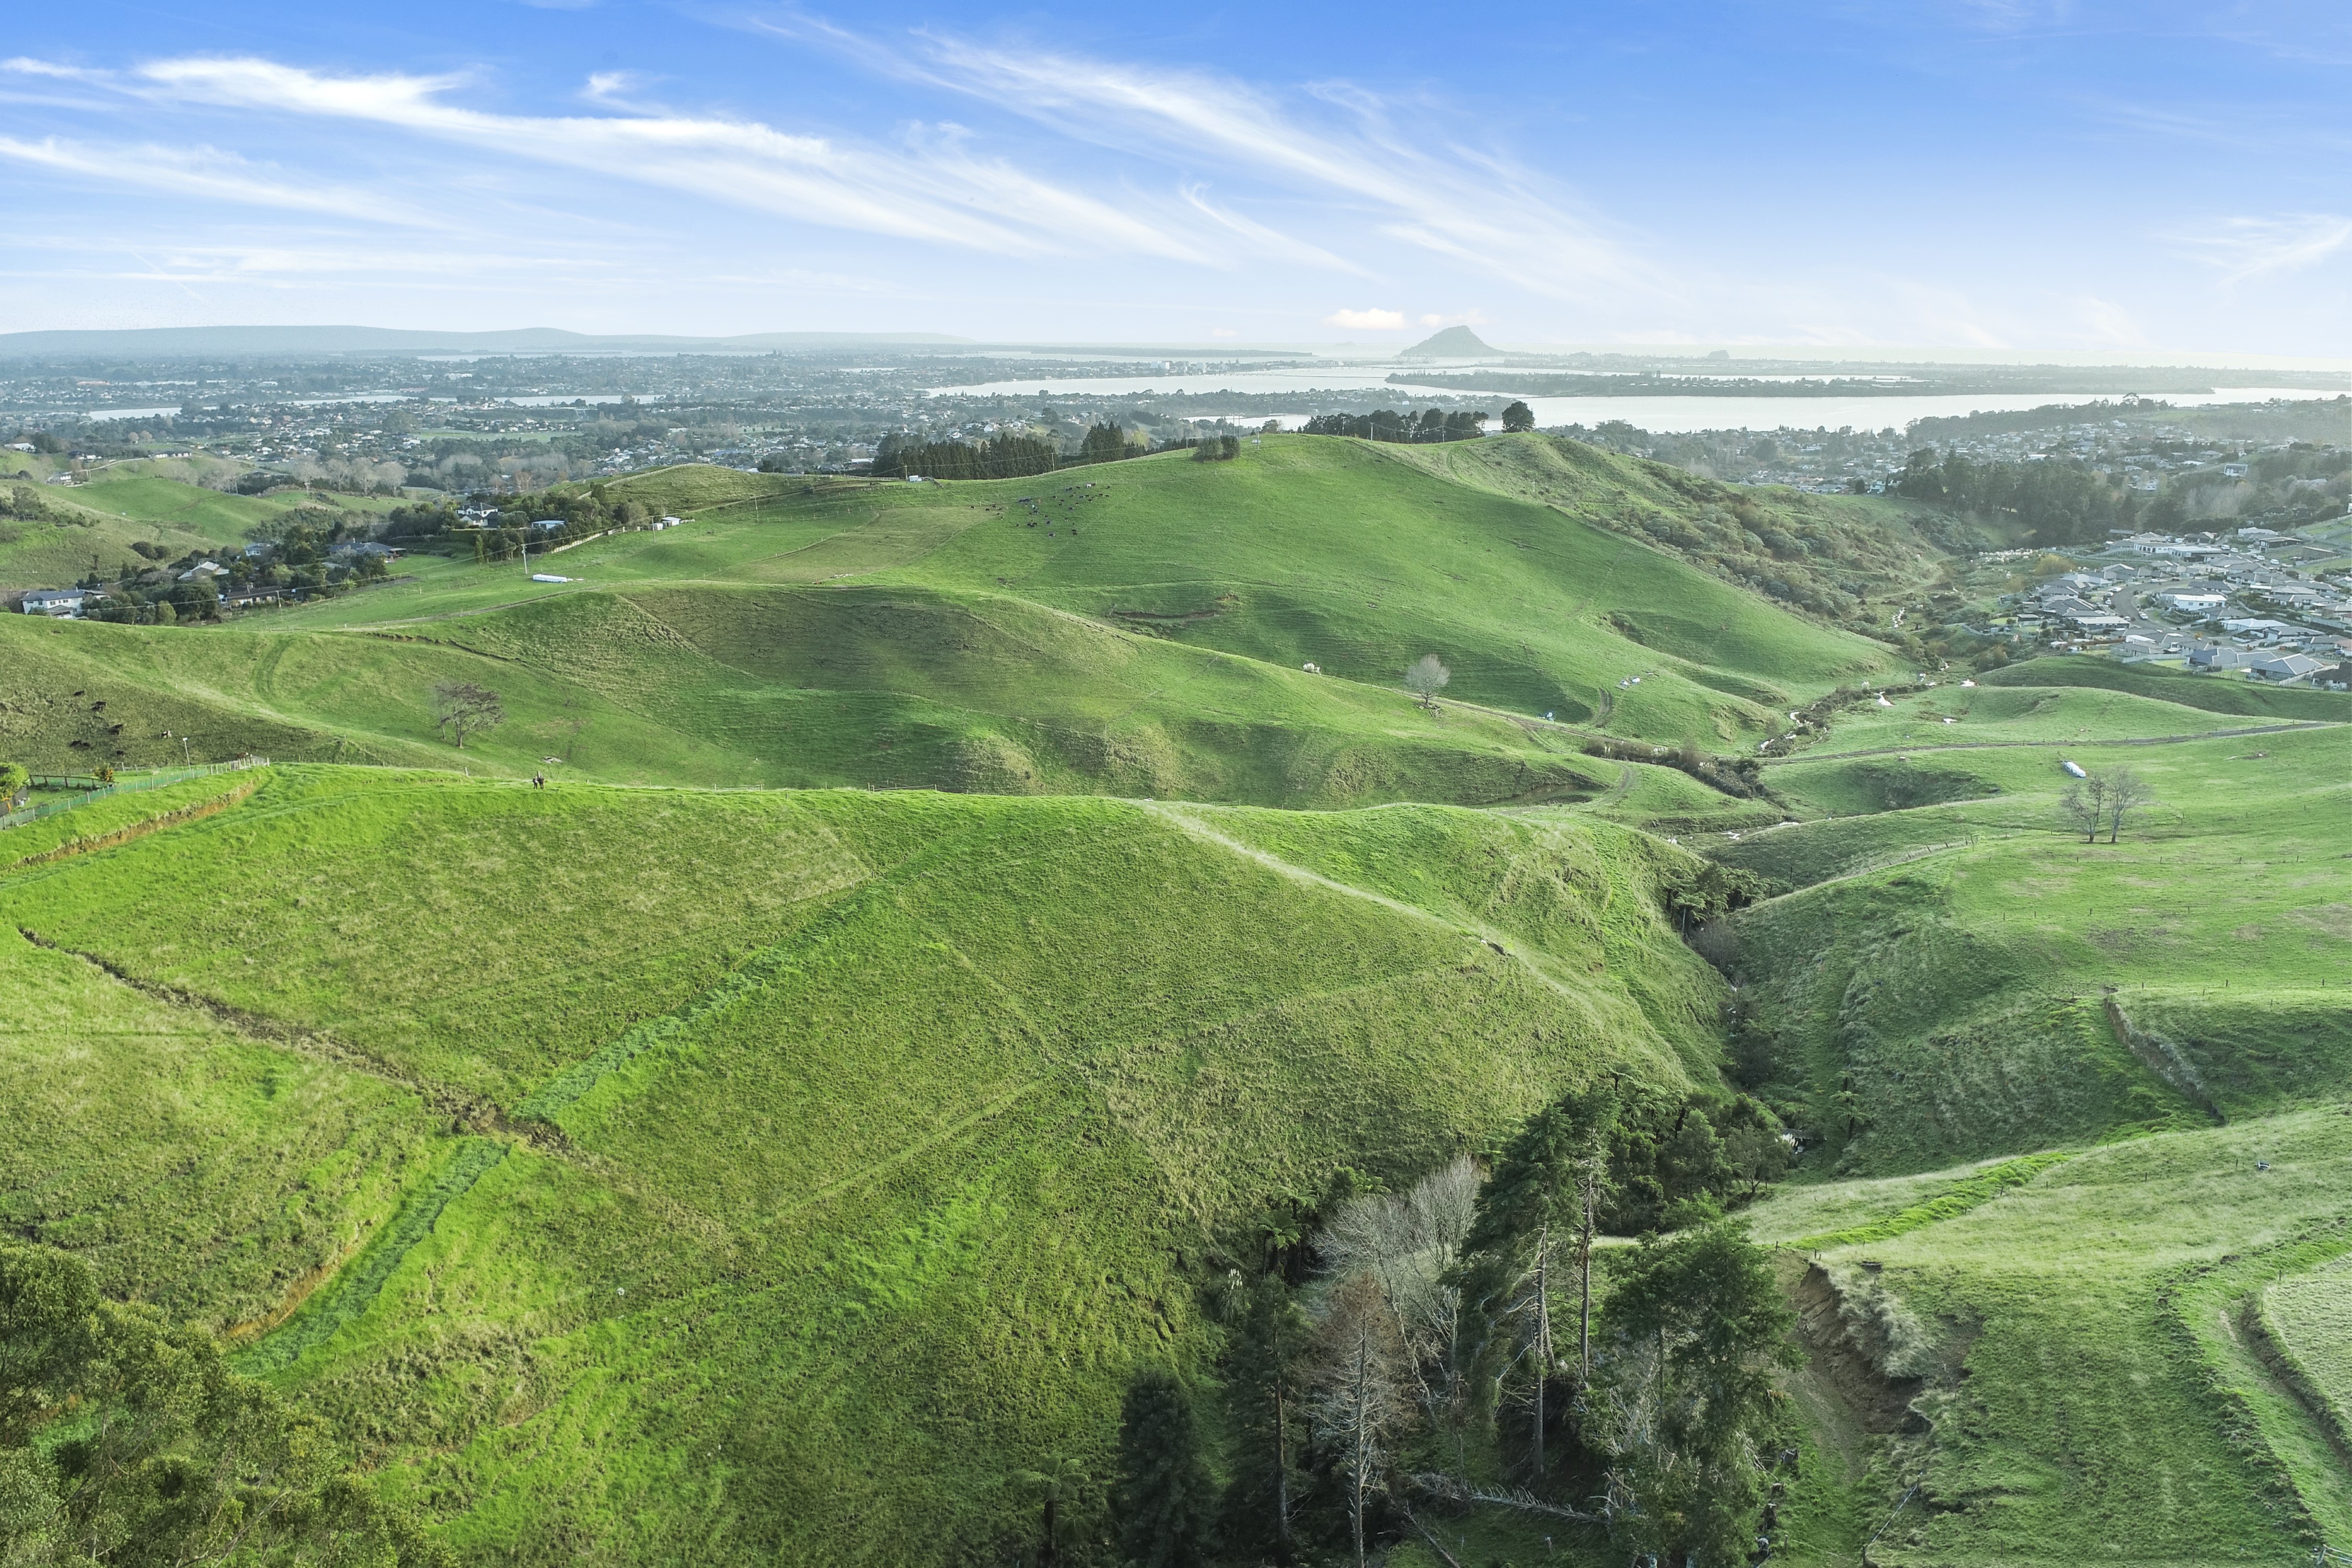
(2196, 604)
(65, 602)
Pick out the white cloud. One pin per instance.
(23, 65)
(2110, 325)
(2248, 247)
(936, 191)
(1456, 201)
(612, 87)
(1373, 321)
(209, 172)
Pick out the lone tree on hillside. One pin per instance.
(1518, 416)
(461, 708)
(2084, 804)
(15, 784)
(1426, 678)
(2127, 793)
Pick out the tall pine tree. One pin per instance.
(1265, 1382)
(1165, 1498)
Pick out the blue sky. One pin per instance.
(2003, 174)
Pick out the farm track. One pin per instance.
(1500, 943)
(2029, 745)
(463, 1107)
(235, 796)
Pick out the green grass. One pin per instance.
(964, 1101)
(1950, 1202)
(129, 503)
(1957, 993)
(692, 1175)
(1145, 637)
(2008, 715)
(1335, 553)
(190, 1165)
(101, 820)
(2308, 1316)
(355, 1287)
(2102, 1415)
(784, 688)
(2215, 693)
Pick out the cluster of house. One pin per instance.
(2169, 598)
(71, 604)
(489, 517)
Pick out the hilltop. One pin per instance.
(1137, 627)
(1451, 342)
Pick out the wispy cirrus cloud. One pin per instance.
(2244, 248)
(210, 172)
(935, 188)
(1460, 202)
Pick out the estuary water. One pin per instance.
(1676, 415)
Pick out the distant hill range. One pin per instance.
(1454, 343)
(165, 343)
(160, 341)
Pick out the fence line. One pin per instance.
(93, 790)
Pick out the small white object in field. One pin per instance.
(548, 577)
(2073, 770)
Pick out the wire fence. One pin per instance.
(91, 788)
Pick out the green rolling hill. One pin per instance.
(963, 931)
(645, 1133)
(1144, 632)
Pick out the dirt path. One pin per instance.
(2009, 745)
(1498, 941)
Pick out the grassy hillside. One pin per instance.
(1141, 631)
(2108, 1409)
(1329, 552)
(768, 688)
(1953, 996)
(130, 503)
(796, 1184)
(697, 1173)
(2007, 715)
(2214, 693)
(1841, 558)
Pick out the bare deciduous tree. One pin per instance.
(461, 708)
(1408, 1242)
(2084, 804)
(1358, 1400)
(2127, 793)
(1426, 678)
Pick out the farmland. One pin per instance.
(963, 937)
